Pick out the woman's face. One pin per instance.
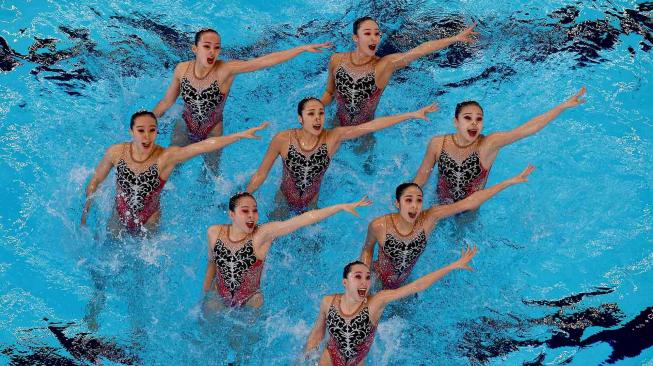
(144, 132)
(469, 122)
(245, 215)
(368, 37)
(357, 283)
(207, 49)
(410, 204)
(312, 118)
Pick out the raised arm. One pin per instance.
(398, 60)
(209, 275)
(476, 199)
(170, 97)
(352, 132)
(273, 230)
(175, 155)
(368, 248)
(425, 169)
(271, 59)
(327, 97)
(268, 160)
(386, 296)
(99, 176)
(319, 328)
(499, 139)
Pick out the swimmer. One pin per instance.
(204, 85)
(306, 152)
(465, 158)
(142, 168)
(357, 79)
(402, 237)
(237, 251)
(351, 318)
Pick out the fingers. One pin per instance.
(529, 169)
(263, 126)
(581, 92)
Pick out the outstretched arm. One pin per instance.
(352, 132)
(276, 229)
(399, 60)
(271, 59)
(499, 139)
(327, 97)
(368, 247)
(99, 176)
(268, 160)
(476, 199)
(176, 155)
(386, 296)
(428, 162)
(209, 276)
(171, 94)
(319, 328)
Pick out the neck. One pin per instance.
(462, 141)
(359, 57)
(307, 138)
(404, 226)
(201, 70)
(351, 303)
(235, 234)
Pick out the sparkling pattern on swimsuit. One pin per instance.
(354, 91)
(459, 176)
(201, 104)
(404, 254)
(303, 169)
(349, 334)
(232, 266)
(135, 187)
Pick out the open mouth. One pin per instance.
(362, 292)
(250, 224)
(146, 144)
(210, 60)
(372, 47)
(472, 133)
(317, 127)
(412, 215)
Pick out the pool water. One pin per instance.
(564, 271)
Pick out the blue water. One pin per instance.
(583, 222)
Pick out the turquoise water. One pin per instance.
(583, 224)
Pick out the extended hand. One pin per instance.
(576, 99)
(466, 256)
(351, 207)
(250, 134)
(523, 176)
(316, 47)
(467, 35)
(421, 113)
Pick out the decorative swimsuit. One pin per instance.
(459, 177)
(203, 102)
(356, 93)
(397, 257)
(349, 340)
(138, 193)
(303, 171)
(238, 273)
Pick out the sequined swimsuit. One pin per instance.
(398, 257)
(137, 194)
(302, 174)
(356, 93)
(349, 340)
(457, 180)
(238, 273)
(203, 102)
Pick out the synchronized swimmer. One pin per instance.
(237, 250)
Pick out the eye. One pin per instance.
(419, 200)
(255, 210)
(358, 277)
(367, 277)
(480, 119)
(206, 47)
(467, 118)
